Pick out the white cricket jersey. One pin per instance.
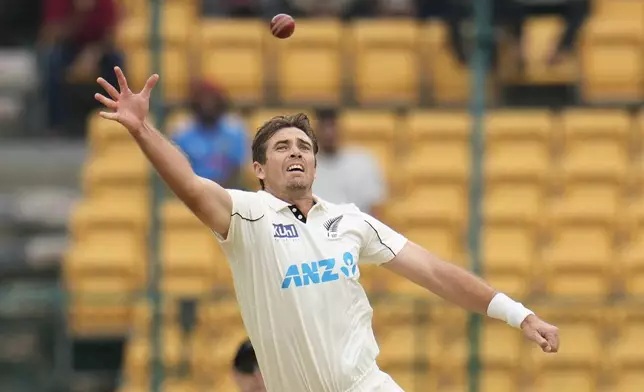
(296, 281)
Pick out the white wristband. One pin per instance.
(505, 309)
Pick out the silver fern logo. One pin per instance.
(331, 227)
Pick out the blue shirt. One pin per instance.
(215, 152)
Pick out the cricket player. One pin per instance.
(295, 258)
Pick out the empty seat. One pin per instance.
(540, 36)
(117, 176)
(513, 202)
(631, 262)
(104, 315)
(629, 380)
(440, 241)
(449, 80)
(235, 61)
(612, 65)
(498, 347)
(431, 205)
(597, 203)
(440, 148)
(134, 37)
(555, 380)
(595, 143)
(499, 380)
(517, 145)
(509, 256)
(579, 260)
(625, 351)
(91, 217)
(385, 66)
(309, 63)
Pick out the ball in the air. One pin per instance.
(282, 26)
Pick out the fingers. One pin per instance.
(109, 116)
(149, 85)
(106, 101)
(543, 343)
(121, 78)
(111, 90)
(553, 341)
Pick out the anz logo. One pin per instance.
(284, 231)
(318, 272)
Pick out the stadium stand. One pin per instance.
(562, 209)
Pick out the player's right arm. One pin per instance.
(210, 202)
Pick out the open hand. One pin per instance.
(544, 334)
(128, 109)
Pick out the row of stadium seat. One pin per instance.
(597, 339)
(375, 62)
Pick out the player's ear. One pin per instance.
(258, 168)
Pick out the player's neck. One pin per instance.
(303, 200)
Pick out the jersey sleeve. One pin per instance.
(380, 242)
(246, 212)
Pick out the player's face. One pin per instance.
(290, 161)
(250, 382)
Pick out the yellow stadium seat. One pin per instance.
(625, 351)
(631, 262)
(517, 145)
(587, 202)
(579, 260)
(440, 148)
(232, 56)
(509, 248)
(440, 241)
(595, 143)
(106, 315)
(538, 43)
(398, 345)
(373, 130)
(498, 347)
(309, 64)
(119, 264)
(134, 37)
(406, 378)
(513, 202)
(629, 380)
(112, 175)
(612, 58)
(450, 81)
(443, 205)
(385, 66)
(90, 217)
(555, 380)
(499, 380)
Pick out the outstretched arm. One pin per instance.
(208, 201)
(462, 288)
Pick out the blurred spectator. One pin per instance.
(78, 36)
(246, 370)
(215, 141)
(346, 174)
(317, 8)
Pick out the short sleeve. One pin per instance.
(246, 212)
(381, 243)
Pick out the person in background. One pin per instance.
(215, 142)
(346, 174)
(246, 370)
(78, 39)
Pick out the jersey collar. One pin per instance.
(279, 204)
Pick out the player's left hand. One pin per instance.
(542, 333)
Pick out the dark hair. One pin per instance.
(245, 360)
(274, 125)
